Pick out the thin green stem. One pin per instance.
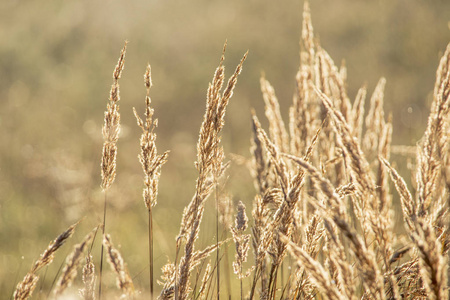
(272, 280)
(217, 237)
(255, 280)
(150, 245)
(227, 264)
(101, 253)
(242, 296)
(176, 267)
(274, 284)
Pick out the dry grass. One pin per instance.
(25, 288)
(324, 218)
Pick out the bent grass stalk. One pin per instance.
(25, 288)
(151, 164)
(111, 130)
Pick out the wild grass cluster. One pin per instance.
(332, 218)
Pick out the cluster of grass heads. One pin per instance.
(323, 223)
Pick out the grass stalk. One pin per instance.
(240, 281)
(110, 132)
(150, 246)
(255, 281)
(227, 265)
(151, 163)
(217, 237)
(101, 252)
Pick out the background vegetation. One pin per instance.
(55, 69)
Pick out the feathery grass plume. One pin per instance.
(277, 129)
(110, 131)
(241, 241)
(358, 113)
(442, 70)
(339, 261)
(433, 260)
(171, 273)
(151, 163)
(205, 150)
(261, 168)
(115, 260)
(313, 233)
(384, 150)
(307, 54)
(432, 150)
(25, 288)
(282, 221)
(260, 216)
(281, 169)
(73, 260)
(383, 222)
(358, 168)
(305, 111)
(324, 185)
(327, 78)
(335, 211)
(209, 165)
(336, 84)
(282, 217)
(111, 127)
(150, 160)
(320, 277)
(300, 126)
(375, 119)
(168, 276)
(407, 201)
(321, 80)
(88, 291)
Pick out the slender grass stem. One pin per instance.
(274, 285)
(255, 280)
(101, 252)
(272, 280)
(227, 264)
(150, 247)
(240, 279)
(217, 239)
(176, 268)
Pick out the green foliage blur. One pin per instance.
(56, 64)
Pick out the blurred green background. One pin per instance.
(56, 63)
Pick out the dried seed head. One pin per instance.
(111, 127)
(124, 281)
(241, 218)
(120, 63)
(148, 77)
(25, 289)
(73, 260)
(88, 292)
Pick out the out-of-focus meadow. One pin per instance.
(56, 61)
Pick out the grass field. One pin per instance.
(339, 191)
